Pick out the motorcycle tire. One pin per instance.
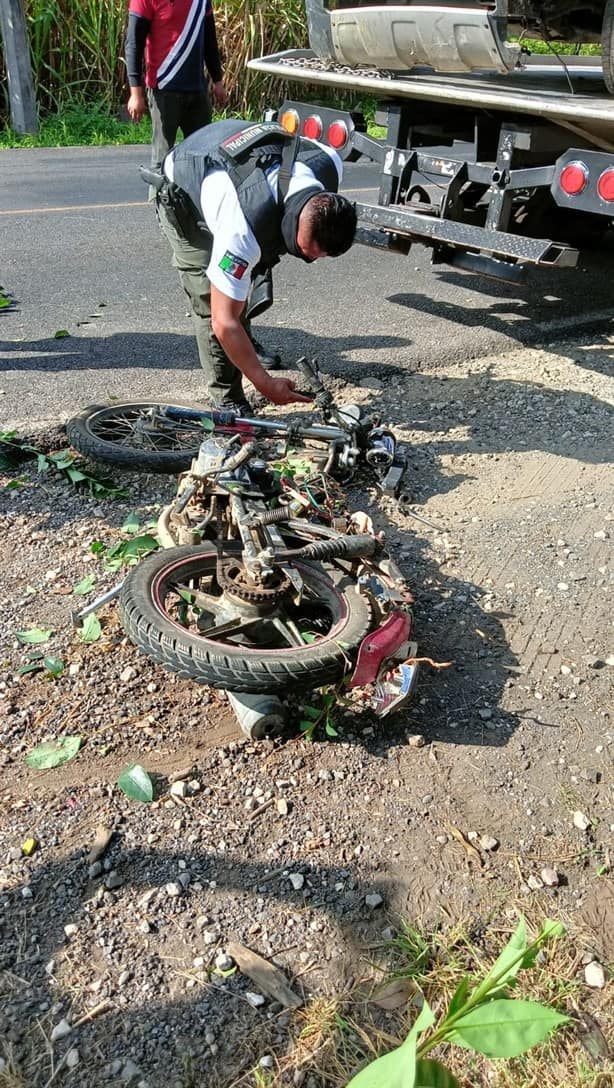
(607, 45)
(109, 434)
(222, 664)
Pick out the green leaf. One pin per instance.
(60, 334)
(505, 1028)
(75, 475)
(506, 965)
(136, 783)
(550, 929)
(139, 546)
(311, 712)
(34, 635)
(308, 637)
(91, 630)
(330, 730)
(97, 547)
(305, 725)
(459, 997)
(32, 666)
(393, 1070)
(207, 424)
(54, 665)
(53, 752)
(85, 585)
(131, 524)
(398, 1068)
(431, 1074)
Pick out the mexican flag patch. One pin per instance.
(234, 266)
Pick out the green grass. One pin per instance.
(91, 127)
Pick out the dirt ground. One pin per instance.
(509, 459)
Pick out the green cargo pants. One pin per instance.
(223, 379)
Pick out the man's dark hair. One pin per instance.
(332, 220)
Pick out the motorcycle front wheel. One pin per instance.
(174, 610)
(138, 435)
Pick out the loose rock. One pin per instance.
(594, 975)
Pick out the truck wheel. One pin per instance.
(135, 436)
(607, 45)
(158, 613)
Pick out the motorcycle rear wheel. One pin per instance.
(153, 605)
(135, 435)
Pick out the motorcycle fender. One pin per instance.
(379, 645)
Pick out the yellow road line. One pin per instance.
(124, 204)
(75, 208)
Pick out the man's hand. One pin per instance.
(220, 95)
(282, 391)
(136, 104)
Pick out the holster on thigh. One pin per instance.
(180, 211)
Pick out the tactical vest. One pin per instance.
(246, 152)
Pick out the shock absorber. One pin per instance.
(362, 545)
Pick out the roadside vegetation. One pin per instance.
(79, 69)
(441, 966)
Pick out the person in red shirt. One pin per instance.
(176, 40)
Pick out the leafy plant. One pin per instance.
(53, 752)
(482, 1018)
(322, 715)
(65, 463)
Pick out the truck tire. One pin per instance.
(119, 435)
(607, 45)
(222, 664)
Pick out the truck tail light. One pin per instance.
(290, 120)
(574, 178)
(312, 127)
(605, 185)
(337, 134)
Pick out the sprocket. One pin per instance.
(234, 579)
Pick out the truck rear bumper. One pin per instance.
(392, 226)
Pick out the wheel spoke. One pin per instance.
(234, 627)
(133, 430)
(206, 601)
(288, 631)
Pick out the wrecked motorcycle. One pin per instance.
(264, 584)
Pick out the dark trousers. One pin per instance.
(191, 258)
(173, 110)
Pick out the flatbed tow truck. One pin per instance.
(495, 171)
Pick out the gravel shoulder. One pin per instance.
(510, 457)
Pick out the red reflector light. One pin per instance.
(605, 185)
(337, 134)
(312, 128)
(573, 178)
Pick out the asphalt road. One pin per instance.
(81, 252)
